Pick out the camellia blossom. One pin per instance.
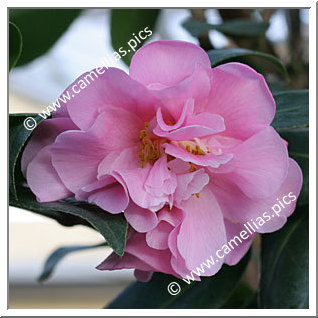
(185, 150)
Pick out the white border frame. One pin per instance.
(312, 165)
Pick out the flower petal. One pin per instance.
(107, 193)
(112, 88)
(261, 164)
(208, 160)
(202, 232)
(77, 154)
(158, 237)
(44, 134)
(241, 96)
(166, 62)
(143, 276)
(43, 180)
(239, 246)
(140, 256)
(238, 207)
(142, 220)
(196, 87)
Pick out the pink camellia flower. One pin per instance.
(186, 151)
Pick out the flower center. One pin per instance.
(195, 147)
(150, 146)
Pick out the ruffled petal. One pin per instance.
(76, 155)
(208, 160)
(43, 135)
(241, 96)
(261, 164)
(140, 256)
(142, 220)
(43, 180)
(268, 214)
(112, 88)
(190, 126)
(107, 193)
(196, 87)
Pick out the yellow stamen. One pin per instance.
(192, 167)
(150, 147)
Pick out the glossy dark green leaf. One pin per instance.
(292, 109)
(58, 255)
(128, 30)
(242, 297)
(40, 29)
(113, 227)
(211, 292)
(15, 45)
(284, 274)
(221, 56)
(18, 135)
(239, 28)
(298, 148)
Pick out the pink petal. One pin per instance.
(44, 135)
(43, 179)
(141, 183)
(189, 184)
(166, 62)
(107, 193)
(202, 232)
(261, 164)
(167, 220)
(77, 154)
(158, 237)
(162, 126)
(113, 88)
(143, 276)
(238, 244)
(142, 220)
(190, 126)
(237, 206)
(115, 262)
(241, 96)
(140, 256)
(196, 87)
(160, 181)
(207, 160)
(118, 128)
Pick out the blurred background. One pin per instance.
(37, 82)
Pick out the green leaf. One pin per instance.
(15, 45)
(238, 28)
(284, 274)
(241, 297)
(40, 29)
(211, 292)
(298, 148)
(113, 227)
(58, 255)
(18, 135)
(126, 25)
(292, 109)
(221, 56)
